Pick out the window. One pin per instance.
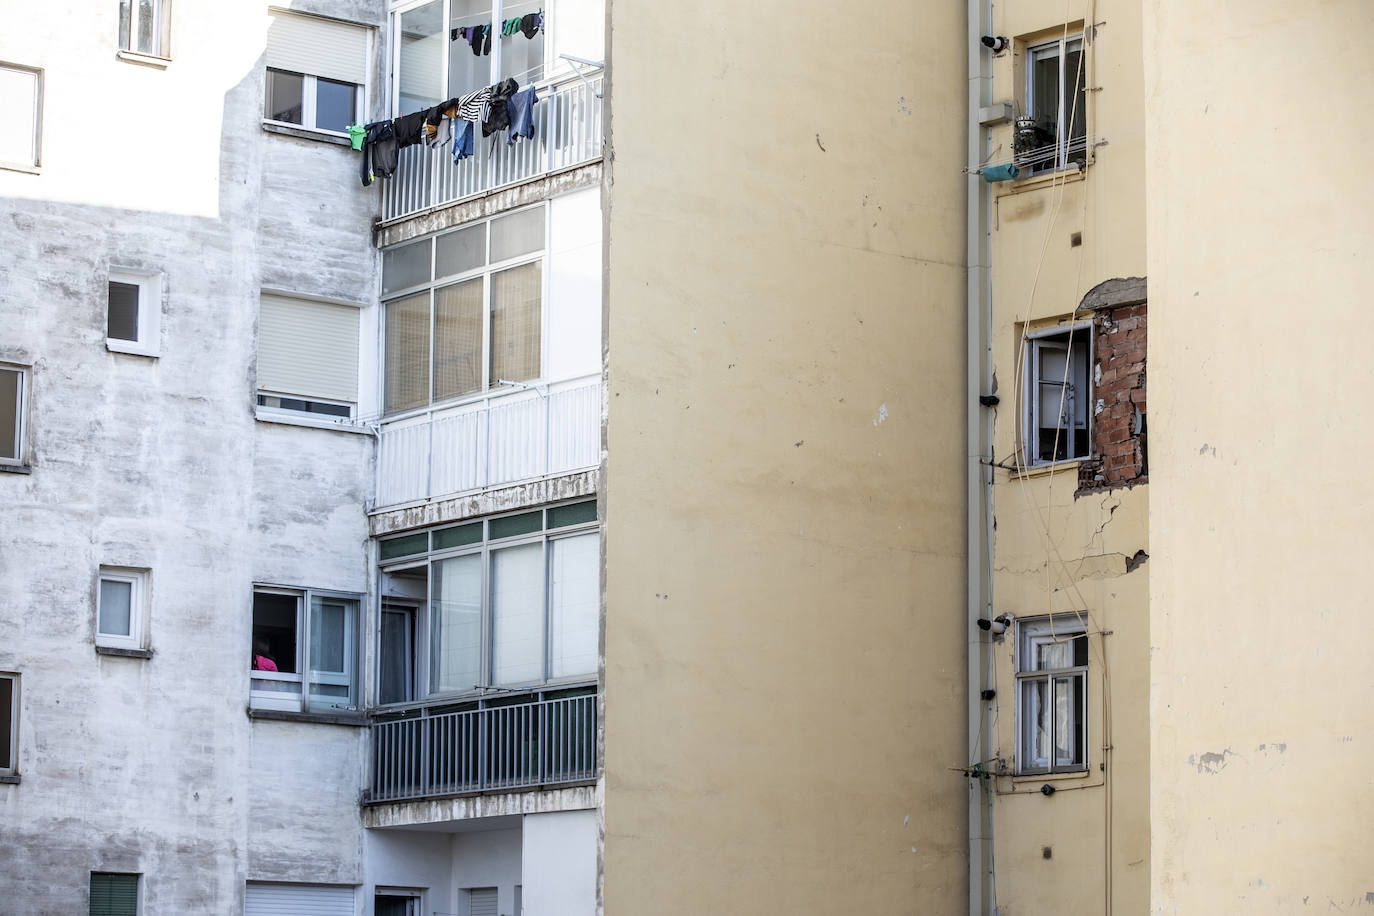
(307, 356)
(297, 899)
(510, 601)
(9, 724)
(434, 60)
(1051, 692)
(481, 901)
(21, 111)
(121, 608)
(14, 385)
(464, 310)
(305, 650)
(114, 894)
(396, 903)
(133, 318)
(1054, 131)
(316, 72)
(1057, 395)
(144, 27)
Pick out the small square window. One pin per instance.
(133, 315)
(9, 724)
(1051, 695)
(114, 894)
(21, 111)
(121, 608)
(1057, 399)
(14, 392)
(144, 27)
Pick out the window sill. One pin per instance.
(147, 60)
(123, 653)
(338, 426)
(15, 469)
(317, 718)
(19, 167)
(131, 349)
(1046, 179)
(1019, 778)
(9, 780)
(1047, 470)
(306, 133)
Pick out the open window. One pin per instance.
(1057, 396)
(133, 316)
(1051, 695)
(304, 656)
(1052, 132)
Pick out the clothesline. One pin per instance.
(529, 25)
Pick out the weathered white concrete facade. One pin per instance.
(151, 765)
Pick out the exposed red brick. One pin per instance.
(1120, 386)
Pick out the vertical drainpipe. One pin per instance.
(979, 369)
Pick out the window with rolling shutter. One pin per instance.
(316, 71)
(298, 900)
(307, 356)
(481, 901)
(114, 894)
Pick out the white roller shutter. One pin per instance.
(482, 901)
(297, 900)
(308, 348)
(319, 47)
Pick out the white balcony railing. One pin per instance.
(567, 132)
(505, 437)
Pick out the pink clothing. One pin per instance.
(263, 663)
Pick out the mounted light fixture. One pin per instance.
(995, 43)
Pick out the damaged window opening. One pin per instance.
(1059, 396)
(1051, 695)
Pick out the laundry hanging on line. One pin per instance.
(478, 37)
(503, 106)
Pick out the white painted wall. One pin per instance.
(488, 858)
(575, 285)
(560, 864)
(413, 860)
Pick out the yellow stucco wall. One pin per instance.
(784, 632)
(1260, 229)
(1054, 552)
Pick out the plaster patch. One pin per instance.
(882, 415)
(1210, 762)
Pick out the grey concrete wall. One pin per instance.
(151, 765)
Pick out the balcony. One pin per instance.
(519, 745)
(503, 438)
(567, 133)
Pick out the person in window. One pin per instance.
(261, 660)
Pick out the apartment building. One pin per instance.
(576, 523)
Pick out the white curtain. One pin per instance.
(456, 622)
(574, 604)
(517, 611)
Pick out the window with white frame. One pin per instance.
(1055, 104)
(1051, 694)
(114, 894)
(133, 316)
(507, 602)
(21, 111)
(434, 51)
(307, 357)
(122, 608)
(145, 27)
(396, 902)
(305, 650)
(14, 394)
(464, 310)
(9, 724)
(1058, 395)
(316, 72)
